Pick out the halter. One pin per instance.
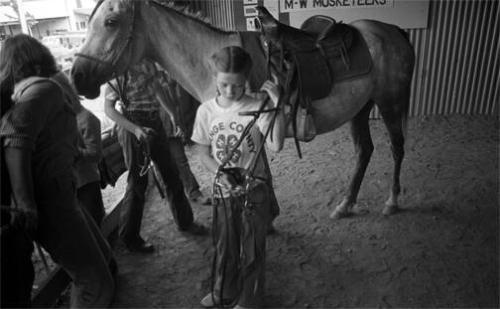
(122, 48)
(126, 43)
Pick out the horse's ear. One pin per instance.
(269, 25)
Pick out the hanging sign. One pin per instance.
(407, 14)
(288, 6)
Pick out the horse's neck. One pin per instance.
(183, 46)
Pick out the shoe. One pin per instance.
(195, 229)
(141, 247)
(211, 301)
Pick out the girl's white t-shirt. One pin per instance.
(221, 128)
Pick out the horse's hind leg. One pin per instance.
(363, 146)
(394, 121)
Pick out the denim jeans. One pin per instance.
(72, 242)
(241, 247)
(90, 197)
(191, 186)
(135, 194)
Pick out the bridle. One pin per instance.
(123, 47)
(111, 64)
(126, 43)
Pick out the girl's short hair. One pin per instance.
(232, 59)
(23, 56)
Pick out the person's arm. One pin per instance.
(276, 140)
(91, 150)
(19, 130)
(203, 153)
(18, 161)
(166, 97)
(141, 133)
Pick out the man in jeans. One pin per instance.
(141, 131)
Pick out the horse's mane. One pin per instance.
(187, 11)
(184, 10)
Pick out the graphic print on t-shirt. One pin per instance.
(224, 147)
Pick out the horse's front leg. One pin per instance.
(363, 145)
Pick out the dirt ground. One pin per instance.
(440, 251)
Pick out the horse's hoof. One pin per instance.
(339, 214)
(390, 209)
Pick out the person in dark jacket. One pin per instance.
(39, 138)
(16, 270)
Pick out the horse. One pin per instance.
(122, 32)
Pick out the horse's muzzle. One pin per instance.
(86, 83)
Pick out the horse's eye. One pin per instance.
(110, 22)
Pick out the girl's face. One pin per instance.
(231, 85)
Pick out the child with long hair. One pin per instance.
(39, 137)
(241, 212)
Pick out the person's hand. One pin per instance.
(179, 133)
(26, 218)
(144, 134)
(272, 90)
(227, 182)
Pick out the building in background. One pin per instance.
(45, 17)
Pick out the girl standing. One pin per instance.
(240, 215)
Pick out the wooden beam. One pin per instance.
(57, 281)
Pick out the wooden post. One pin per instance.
(22, 17)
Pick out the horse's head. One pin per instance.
(111, 46)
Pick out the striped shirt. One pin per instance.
(139, 88)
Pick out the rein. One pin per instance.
(288, 75)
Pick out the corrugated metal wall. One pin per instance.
(220, 12)
(457, 55)
(457, 68)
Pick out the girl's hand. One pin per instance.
(272, 90)
(226, 181)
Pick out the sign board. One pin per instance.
(292, 6)
(407, 14)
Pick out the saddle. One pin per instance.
(308, 61)
(323, 52)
